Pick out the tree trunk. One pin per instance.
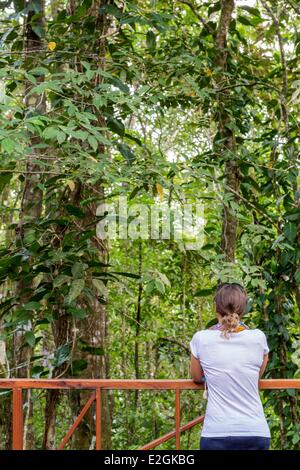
(93, 330)
(226, 135)
(92, 338)
(138, 323)
(31, 204)
(62, 333)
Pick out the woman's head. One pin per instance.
(231, 301)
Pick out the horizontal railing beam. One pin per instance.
(17, 385)
(132, 384)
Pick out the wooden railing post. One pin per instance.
(17, 443)
(98, 419)
(177, 418)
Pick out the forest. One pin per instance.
(148, 107)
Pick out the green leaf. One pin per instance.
(39, 30)
(297, 276)
(78, 270)
(74, 210)
(6, 176)
(100, 286)
(32, 306)
(21, 317)
(232, 126)
(290, 231)
(115, 125)
(50, 132)
(150, 40)
(203, 293)
(93, 142)
(244, 20)
(76, 288)
(61, 355)
(8, 32)
(93, 350)
(39, 71)
(135, 276)
(81, 135)
(293, 214)
(125, 150)
(38, 371)
(7, 145)
(207, 246)
(77, 312)
(119, 84)
(60, 136)
(99, 100)
(60, 280)
(211, 323)
(252, 10)
(54, 85)
(78, 366)
(159, 286)
(29, 338)
(164, 279)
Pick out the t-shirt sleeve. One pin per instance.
(265, 344)
(194, 345)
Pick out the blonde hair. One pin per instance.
(231, 301)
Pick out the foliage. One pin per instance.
(145, 126)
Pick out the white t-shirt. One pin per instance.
(231, 367)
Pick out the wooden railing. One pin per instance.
(97, 385)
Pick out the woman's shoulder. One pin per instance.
(202, 337)
(256, 335)
(199, 334)
(205, 332)
(256, 331)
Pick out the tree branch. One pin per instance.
(200, 18)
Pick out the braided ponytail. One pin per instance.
(231, 301)
(229, 323)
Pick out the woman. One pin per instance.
(232, 358)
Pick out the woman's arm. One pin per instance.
(264, 365)
(196, 370)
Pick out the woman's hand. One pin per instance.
(196, 370)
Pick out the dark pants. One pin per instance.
(235, 443)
